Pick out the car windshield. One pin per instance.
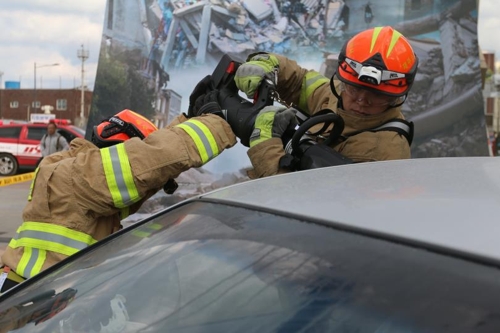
(214, 268)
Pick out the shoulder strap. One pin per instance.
(57, 142)
(400, 126)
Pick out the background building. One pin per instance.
(491, 94)
(19, 104)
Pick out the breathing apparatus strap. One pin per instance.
(400, 126)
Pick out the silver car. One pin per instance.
(399, 246)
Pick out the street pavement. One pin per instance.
(12, 201)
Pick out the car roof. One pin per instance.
(449, 204)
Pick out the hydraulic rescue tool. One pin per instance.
(303, 149)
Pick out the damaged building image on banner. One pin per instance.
(170, 45)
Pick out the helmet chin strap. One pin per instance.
(334, 91)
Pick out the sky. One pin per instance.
(45, 32)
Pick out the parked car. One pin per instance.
(397, 246)
(20, 143)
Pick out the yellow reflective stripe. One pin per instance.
(202, 137)
(32, 186)
(23, 262)
(119, 176)
(31, 262)
(50, 237)
(376, 32)
(394, 40)
(312, 80)
(124, 212)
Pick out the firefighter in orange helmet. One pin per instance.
(376, 69)
(79, 196)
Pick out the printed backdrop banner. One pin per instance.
(154, 52)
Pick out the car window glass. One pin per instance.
(36, 133)
(10, 132)
(213, 268)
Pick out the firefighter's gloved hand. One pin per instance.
(208, 103)
(204, 86)
(250, 74)
(272, 122)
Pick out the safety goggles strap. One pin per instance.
(386, 75)
(125, 127)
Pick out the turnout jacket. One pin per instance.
(311, 92)
(78, 197)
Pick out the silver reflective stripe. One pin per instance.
(119, 177)
(46, 236)
(32, 261)
(202, 137)
(312, 80)
(397, 124)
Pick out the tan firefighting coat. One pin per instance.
(72, 189)
(312, 93)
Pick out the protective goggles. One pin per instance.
(371, 98)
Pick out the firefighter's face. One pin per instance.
(364, 102)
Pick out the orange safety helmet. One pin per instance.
(379, 59)
(121, 127)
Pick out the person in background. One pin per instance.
(52, 142)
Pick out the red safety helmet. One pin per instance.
(121, 127)
(379, 59)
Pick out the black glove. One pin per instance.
(204, 86)
(208, 103)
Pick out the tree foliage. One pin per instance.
(120, 85)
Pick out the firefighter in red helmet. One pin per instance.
(376, 69)
(121, 127)
(79, 196)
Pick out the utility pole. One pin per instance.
(83, 54)
(35, 66)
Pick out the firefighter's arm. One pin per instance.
(265, 158)
(266, 146)
(177, 120)
(113, 178)
(166, 153)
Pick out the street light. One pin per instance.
(35, 66)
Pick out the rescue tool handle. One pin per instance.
(327, 119)
(239, 112)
